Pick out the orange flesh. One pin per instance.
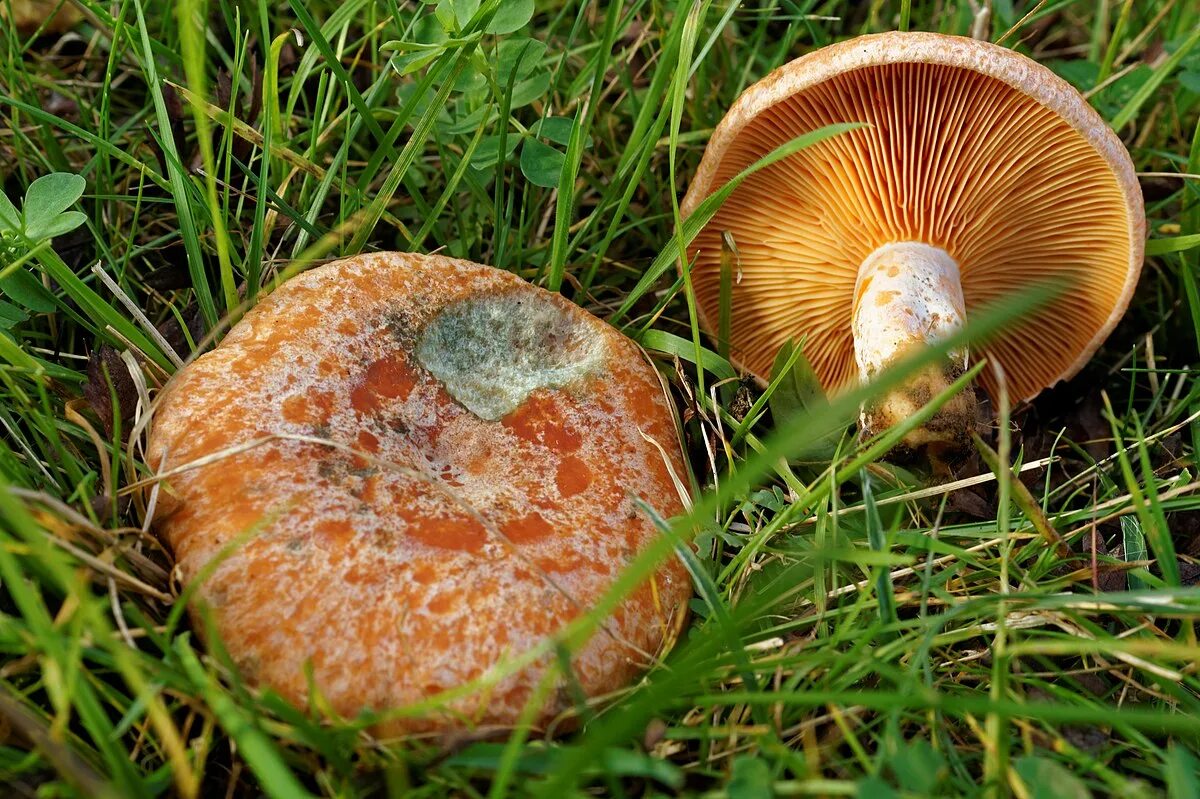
(954, 159)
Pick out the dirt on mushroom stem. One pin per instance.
(909, 295)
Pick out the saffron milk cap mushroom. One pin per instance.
(404, 471)
(980, 173)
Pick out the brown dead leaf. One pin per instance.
(108, 377)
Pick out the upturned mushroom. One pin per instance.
(401, 471)
(981, 173)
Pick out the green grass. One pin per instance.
(856, 629)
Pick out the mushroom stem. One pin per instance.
(909, 295)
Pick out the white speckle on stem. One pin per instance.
(908, 294)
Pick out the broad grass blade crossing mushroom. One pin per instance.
(981, 173)
(404, 470)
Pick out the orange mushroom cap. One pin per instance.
(971, 148)
(405, 469)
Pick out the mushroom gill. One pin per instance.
(953, 158)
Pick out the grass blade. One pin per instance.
(178, 180)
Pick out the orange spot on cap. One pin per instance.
(390, 377)
(441, 603)
(572, 476)
(526, 529)
(368, 441)
(567, 562)
(539, 421)
(458, 532)
(334, 533)
(425, 574)
(314, 408)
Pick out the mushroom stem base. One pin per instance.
(909, 295)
